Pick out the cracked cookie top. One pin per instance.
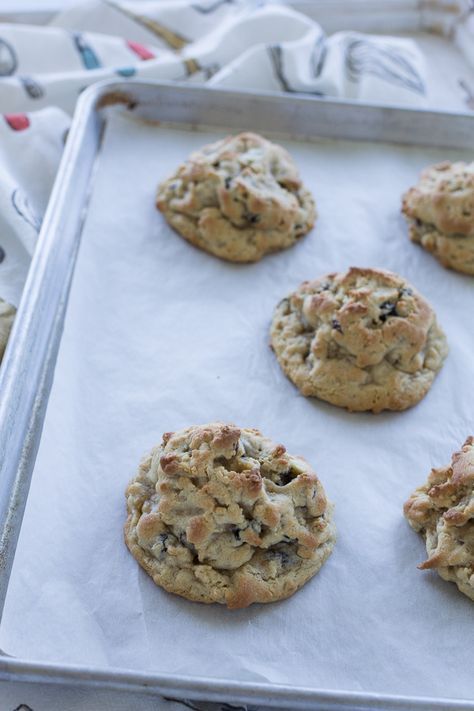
(364, 340)
(7, 315)
(444, 198)
(442, 510)
(222, 514)
(238, 198)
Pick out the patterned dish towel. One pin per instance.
(241, 44)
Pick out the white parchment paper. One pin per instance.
(160, 336)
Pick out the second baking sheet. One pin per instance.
(159, 336)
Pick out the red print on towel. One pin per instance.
(140, 50)
(18, 122)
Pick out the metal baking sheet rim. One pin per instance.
(332, 118)
(336, 119)
(205, 689)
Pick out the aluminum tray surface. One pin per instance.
(159, 335)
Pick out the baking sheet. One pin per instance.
(159, 336)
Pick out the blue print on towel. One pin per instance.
(89, 58)
(126, 72)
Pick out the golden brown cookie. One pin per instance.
(364, 340)
(238, 198)
(440, 212)
(442, 510)
(221, 514)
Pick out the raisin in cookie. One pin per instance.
(442, 510)
(440, 211)
(7, 315)
(222, 514)
(364, 340)
(239, 199)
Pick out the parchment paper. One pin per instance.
(160, 336)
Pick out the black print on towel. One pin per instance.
(318, 55)
(89, 58)
(183, 703)
(23, 208)
(23, 707)
(197, 706)
(207, 7)
(276, 55)
(387, 63)
(8, 60)
(32, 87)
(2, 254)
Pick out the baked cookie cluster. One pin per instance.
(440, 212)
(219, 513)
(222, 514)
(442, 510)
(239, 199)
(363, 340)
